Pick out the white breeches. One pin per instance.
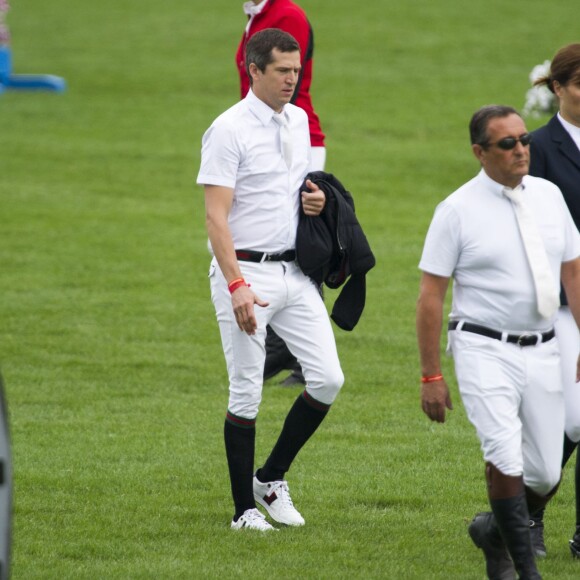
(296, 312)
(569, 339)
(513, 396)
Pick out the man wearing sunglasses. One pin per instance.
(507, 239)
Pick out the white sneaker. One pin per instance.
(252, 520)
(275, 497)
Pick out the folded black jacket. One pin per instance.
(332, 247)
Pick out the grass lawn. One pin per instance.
(109, 348)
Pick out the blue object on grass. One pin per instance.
(9, 81)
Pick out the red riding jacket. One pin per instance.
(289, 17)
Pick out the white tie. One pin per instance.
(285, 138)
(546, 290)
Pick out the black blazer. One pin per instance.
(332, 247)
(555, 157)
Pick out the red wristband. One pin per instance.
(432, 378)
(235, 284)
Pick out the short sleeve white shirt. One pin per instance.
(242, 150)
(474, 238)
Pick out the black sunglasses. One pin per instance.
(508, 143)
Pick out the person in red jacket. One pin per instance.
(290, 18)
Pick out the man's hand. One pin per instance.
(434, 399)
(313, 201)
(243, 300)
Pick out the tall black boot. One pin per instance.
(512, 519)
(485, 535)
(278, 356)
(537, 516)
(577, 488)
(575, 541)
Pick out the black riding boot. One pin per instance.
(575, 541)
(485, 535)
(512, 519)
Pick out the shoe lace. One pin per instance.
(283, 493)
(255, 516)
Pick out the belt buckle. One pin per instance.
(524, 337)
(265, 257)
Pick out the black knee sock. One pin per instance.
(302, 421)
(240, 438)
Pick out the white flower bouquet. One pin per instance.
(539, 99)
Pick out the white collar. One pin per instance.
(572, 130)
(262, 111)
(252, 9)
(496, 187)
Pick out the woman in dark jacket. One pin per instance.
(555, 155)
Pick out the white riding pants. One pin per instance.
(569, 339)
(513, 396)
(296, 312)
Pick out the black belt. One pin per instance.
(251, 256)
(527, 339)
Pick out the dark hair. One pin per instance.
(260, 46)
(565, 64)
(482, 117)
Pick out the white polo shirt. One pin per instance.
(474, 238)
(242, 150)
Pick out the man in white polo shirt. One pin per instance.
(255, 157)
(505, 298)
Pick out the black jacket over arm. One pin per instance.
(332, 246)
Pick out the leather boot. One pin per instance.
(537, 514)
(278, 356)
(575, 544)
(575, 541)
(536, 508)
(512, 519)
(485, 535)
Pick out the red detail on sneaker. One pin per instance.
(270, 499)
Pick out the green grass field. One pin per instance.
(108, 345)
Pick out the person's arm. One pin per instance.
(571, 281)
(435, 396)
(218, 203)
